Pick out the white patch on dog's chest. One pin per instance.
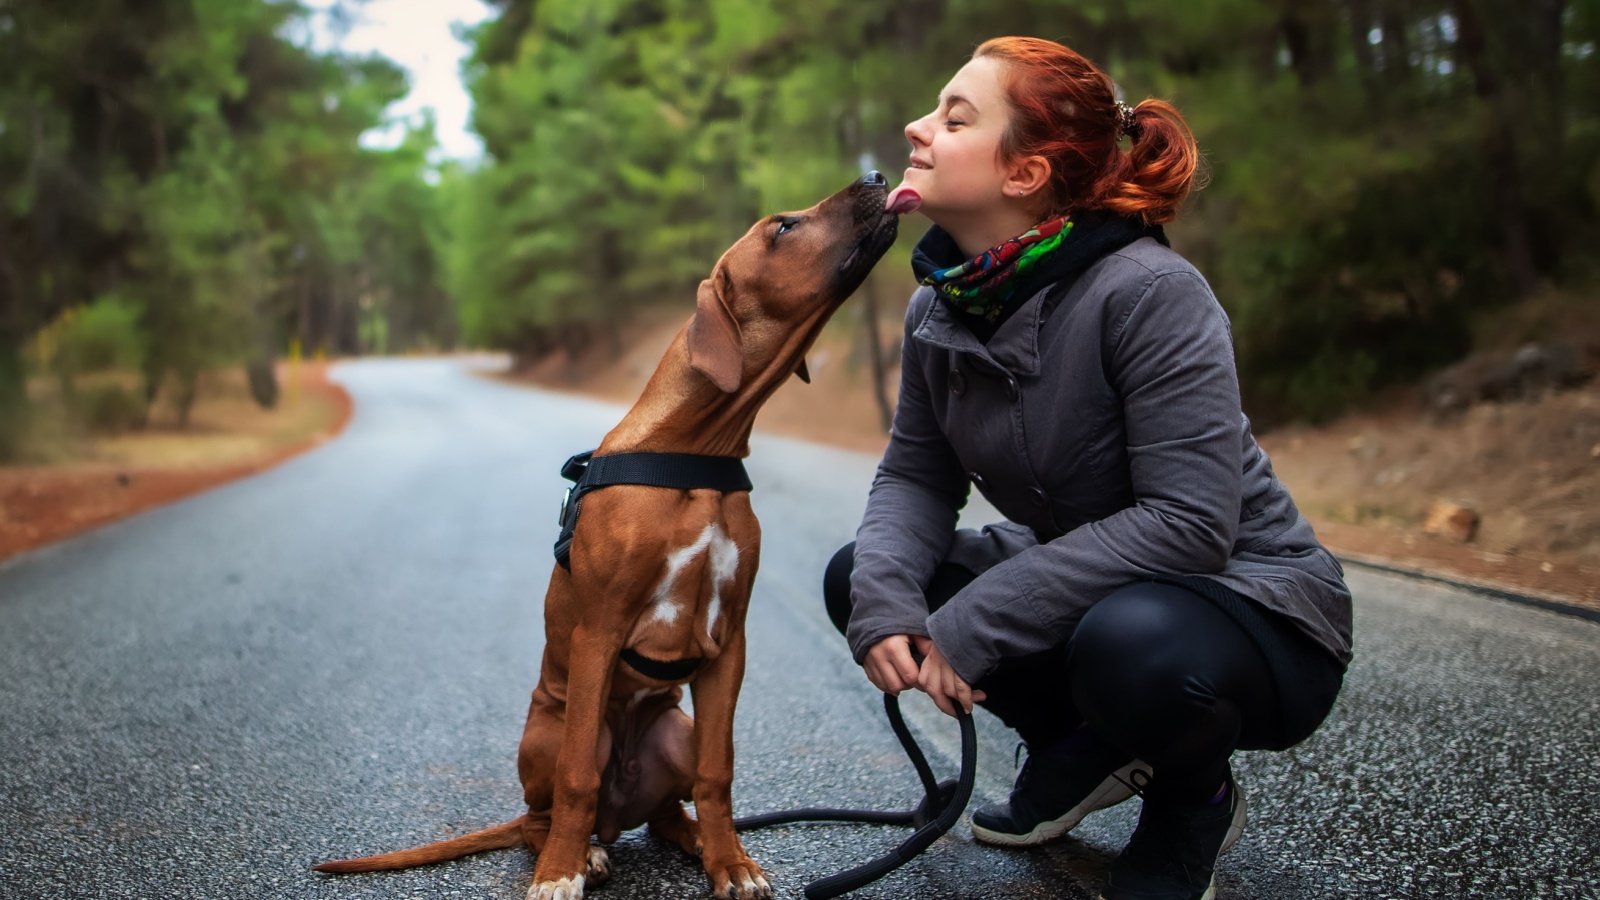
(724, 561)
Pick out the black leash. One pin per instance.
(942, 804)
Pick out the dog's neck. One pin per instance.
(681, 411)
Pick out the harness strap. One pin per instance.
(672, 470)
(684, 471)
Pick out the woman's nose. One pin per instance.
(915, 129)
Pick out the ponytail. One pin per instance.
(1151, 178)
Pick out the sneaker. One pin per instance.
(1174, 851)
(1051, 796)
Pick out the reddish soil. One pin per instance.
(41, 504)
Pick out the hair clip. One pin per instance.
(1126, 124)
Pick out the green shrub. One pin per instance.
(100, 337)
(110, 408)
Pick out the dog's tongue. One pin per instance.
(902, 200)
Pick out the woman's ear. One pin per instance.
(1027, 177)
(716, 349)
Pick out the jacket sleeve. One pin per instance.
(1170, 358)
(911, 514)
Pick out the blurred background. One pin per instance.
(199, 201)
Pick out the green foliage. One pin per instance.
(1383, 172)
(1368, 198)
(192, 160)
(101, 337)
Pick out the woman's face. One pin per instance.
(955, 149)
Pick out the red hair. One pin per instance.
(1064, 108)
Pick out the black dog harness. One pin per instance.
(685, 471)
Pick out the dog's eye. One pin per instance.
(786, 223)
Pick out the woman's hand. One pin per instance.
(890, 666)
(942, 683)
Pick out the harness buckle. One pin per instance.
(566, 506)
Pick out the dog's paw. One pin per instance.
(741, 882)
(570, 888)
(599, 866)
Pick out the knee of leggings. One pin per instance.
(1130, 661)
(1125, 624)
(836, 585)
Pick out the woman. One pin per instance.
(1155, 601)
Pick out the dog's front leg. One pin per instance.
(734, 875)
(564, 860)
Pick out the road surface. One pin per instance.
(334, 658)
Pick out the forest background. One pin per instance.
(183, 187)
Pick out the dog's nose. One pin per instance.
(874, 179)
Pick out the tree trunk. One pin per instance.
(1500, 147)
(13, 394)
(1308, 32)
(1361, 46)
(880, 368)
(1396, 47)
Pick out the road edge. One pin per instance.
(1550, 602)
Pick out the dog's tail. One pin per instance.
(495, 838)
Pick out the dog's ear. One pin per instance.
(715, 346)
(802, 372)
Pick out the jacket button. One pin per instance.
(958, 382)
(1012, 391)
(1039, 496)
(977, 481)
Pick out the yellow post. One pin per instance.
(295, 356)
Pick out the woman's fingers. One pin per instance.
(944, 704)
(963, 693)
(905, 665)
(890, 666)
(944, 686)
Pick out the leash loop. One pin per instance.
(943, 801)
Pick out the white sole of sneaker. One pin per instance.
(1112, 791)
(1210, 894)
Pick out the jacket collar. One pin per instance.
(1014, 347)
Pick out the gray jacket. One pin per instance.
(1103, 421)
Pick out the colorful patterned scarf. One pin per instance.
(983, 286)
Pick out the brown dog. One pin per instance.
(666, 573)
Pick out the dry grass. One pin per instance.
(73, 480)
(226, 427)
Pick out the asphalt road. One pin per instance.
(334, 658)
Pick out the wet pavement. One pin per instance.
(334, 658)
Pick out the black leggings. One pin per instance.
(1153, 671)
